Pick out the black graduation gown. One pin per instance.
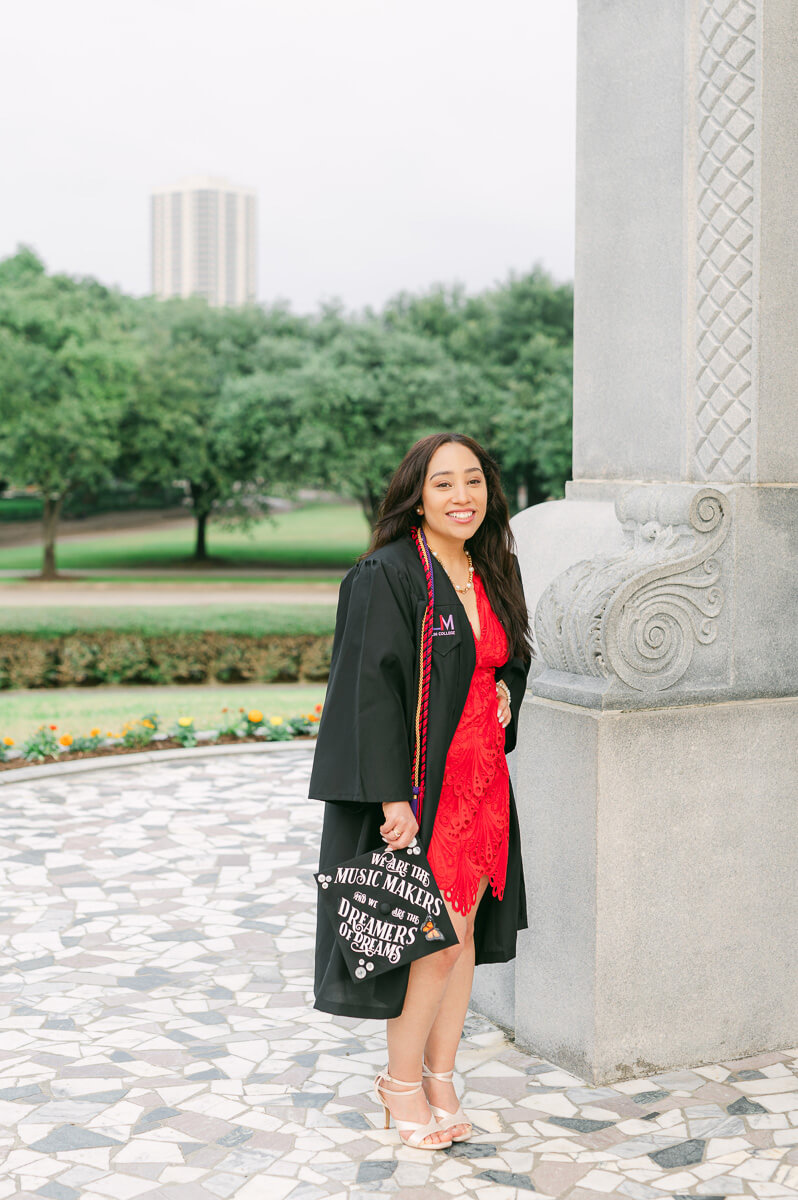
(364, 750)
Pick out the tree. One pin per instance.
(520, 336)
(349, 414)
(57, 449)
(236, 403)
(67, 364)
(187, 424)
(21, 267)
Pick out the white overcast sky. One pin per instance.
(393, 143)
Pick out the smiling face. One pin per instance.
(454, 497)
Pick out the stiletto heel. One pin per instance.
(418, 1130)
(447, 1120)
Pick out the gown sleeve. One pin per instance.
(514, 673)
(363, 750)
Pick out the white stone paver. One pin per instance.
(157, 1037)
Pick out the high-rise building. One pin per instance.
(203, 241)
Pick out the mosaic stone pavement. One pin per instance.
(156, 1037)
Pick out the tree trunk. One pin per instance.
(200, 550)
(371, 506)
(201, 509)
(50, 518)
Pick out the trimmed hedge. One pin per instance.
(94, 658)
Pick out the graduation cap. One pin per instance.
(386, 910)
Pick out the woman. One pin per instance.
(449, 486)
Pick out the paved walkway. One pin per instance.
(241, 593)
(156, 1037)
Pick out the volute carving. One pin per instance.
(640, 614)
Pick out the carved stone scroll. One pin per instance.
(640, 615)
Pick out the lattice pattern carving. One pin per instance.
(727, 100)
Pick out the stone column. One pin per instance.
(658, 761)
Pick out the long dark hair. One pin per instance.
(492, 545)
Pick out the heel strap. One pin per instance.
(443, 1076)
(413, 1086)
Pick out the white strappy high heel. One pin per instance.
(448, 1120)
(419, 1131)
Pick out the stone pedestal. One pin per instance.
(660, 849)
(657, 770)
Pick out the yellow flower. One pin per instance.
(8, 741)
(185, 721)
(65, 739)
(147, 724)
(109, 733)
(254, 715)
(95, 732)
(275, 720)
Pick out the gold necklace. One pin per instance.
(468, 586)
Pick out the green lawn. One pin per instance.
(186, 579)
(319, 535)
(264, 620)
(77, 710)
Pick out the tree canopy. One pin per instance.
(237, 404)
(68, 368)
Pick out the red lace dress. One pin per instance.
(471, 831)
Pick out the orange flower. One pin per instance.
(94, 732)
(65, 739)
(8, 741)
(317, 708)
(255, 716)
(53, 726)
(224, 710)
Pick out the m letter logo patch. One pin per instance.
(444, 626)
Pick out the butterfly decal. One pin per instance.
(431, 931)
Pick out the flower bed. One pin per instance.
(46, 745)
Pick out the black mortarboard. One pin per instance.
(386, 910)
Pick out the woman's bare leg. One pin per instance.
(407, 1034)
(445, 1032)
